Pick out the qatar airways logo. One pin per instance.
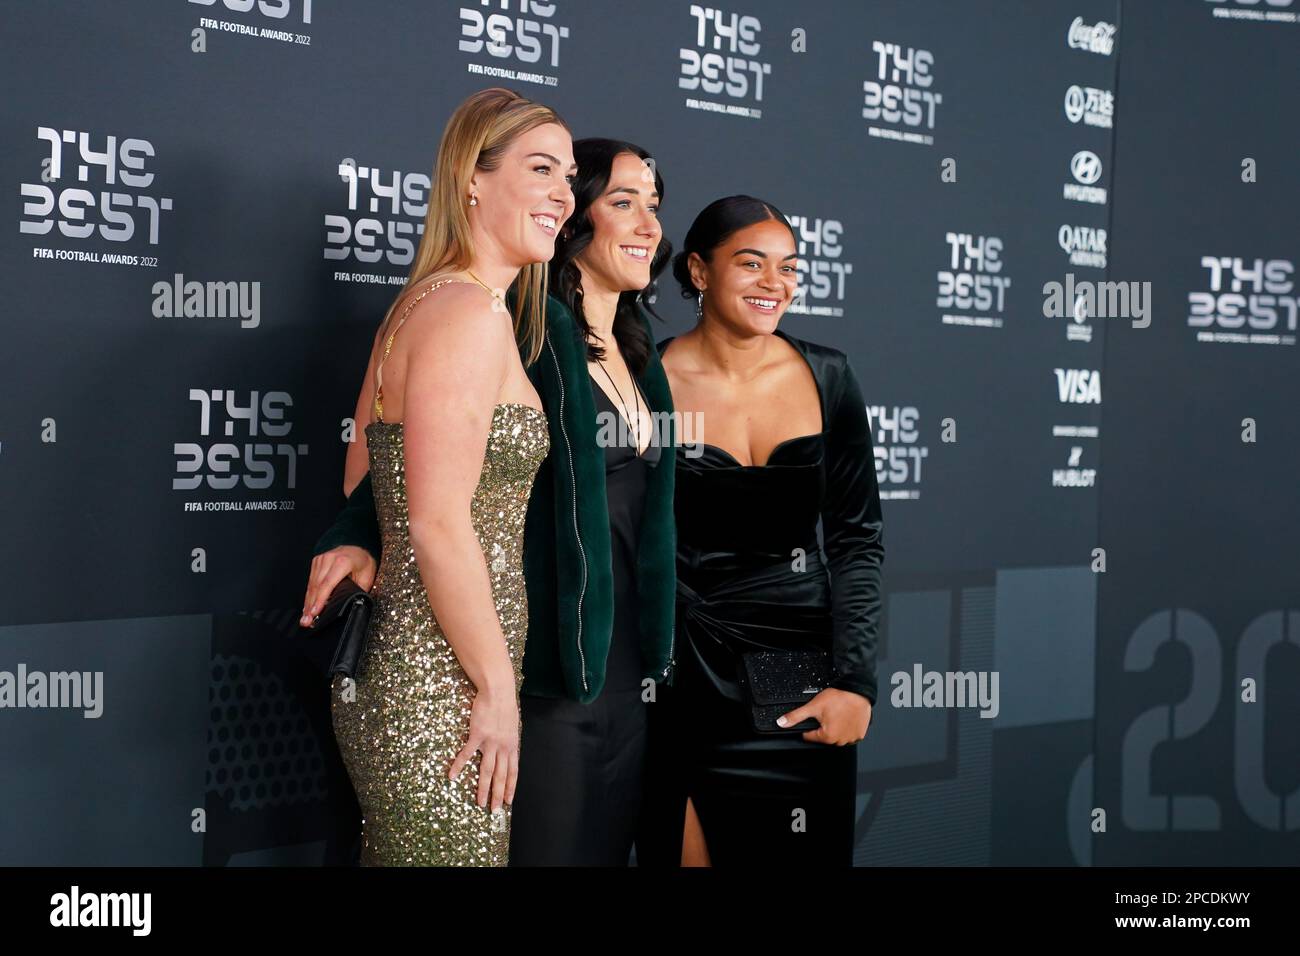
(1085, 245)
(724, 62)
(1254, 300)
(93, 186)
(900, 101)
(384, 219)
(512, 39)
(898, 450)
(822, 269)
(1095, 38)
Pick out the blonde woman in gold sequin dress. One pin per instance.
(429, 730)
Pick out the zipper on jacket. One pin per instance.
(672, 642)
(672, 624)
(672, 632)
(573, 482)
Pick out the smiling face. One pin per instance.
(751, 278)
(626, 230)
(524, 201)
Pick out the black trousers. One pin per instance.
(581, 769)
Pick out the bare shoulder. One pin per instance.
(678, 355)
(460, 311)
(783, 351)
(787, 360)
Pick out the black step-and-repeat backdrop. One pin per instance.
(1057, 239)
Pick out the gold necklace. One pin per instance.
(491, 292)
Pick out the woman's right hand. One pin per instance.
(493, 732)
(328, 569)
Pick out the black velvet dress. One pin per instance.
(751, 576)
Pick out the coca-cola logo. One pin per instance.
(1097, 37)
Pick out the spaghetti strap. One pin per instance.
(388, 346)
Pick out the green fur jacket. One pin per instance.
(567, 561)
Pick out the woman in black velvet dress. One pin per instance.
(786, 445)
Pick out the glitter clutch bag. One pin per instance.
(344, 619)
(776, 682)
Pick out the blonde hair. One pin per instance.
(477, 137)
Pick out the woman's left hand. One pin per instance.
(843, 716)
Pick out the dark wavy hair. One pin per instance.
(716, 223)
(595, 158)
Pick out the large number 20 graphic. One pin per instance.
(1144, 810)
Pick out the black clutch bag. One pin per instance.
(776, 682)
(344, 619)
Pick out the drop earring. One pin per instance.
(473, 200)
(699, 306)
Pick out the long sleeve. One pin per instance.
(852, 538)
(357, 524)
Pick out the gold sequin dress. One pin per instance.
(407, 715)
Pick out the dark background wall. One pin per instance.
(1119, 691)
